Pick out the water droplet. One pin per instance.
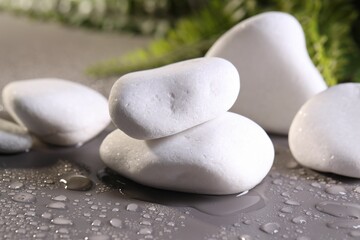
(62, 230)
(357, 189)
(292, 203)
(46, 215)
(340, 209)
(247, 222)
(56, 205)
(146, 215)
(76, 182)
(61, 221)
(94, 207)
(30, 214)
(270, 228)
(96, 223)
(245, 237)
(336, 190)
(287, 210)
(116, 223)
(98, 237)
(316, 185)
(354, 233)
(347, 224)
(278, 182)
(144, 231)
(16, 185)
(299, 220)
(24, 198)
(132, 207)
(147, 223)
(303, 238)
(60, 198)
(43, 228)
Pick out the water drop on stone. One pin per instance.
(316, 185)
(60, 198)
(16, 185)
(116, 223)
(76, 182)
(132, 207)
(340, 209)
(61, 221)
(56, 205)
(357, 189)
(245, 237)
(292, 203)
(96, 223)
(336, 190)
(303, 238)
(270, 228)
(46, 215)
(63, 231)
(299, 220)
(98, 237)
(144, 231)
(287, 210)
(24, 198)
(355, 234)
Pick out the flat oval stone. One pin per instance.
(227, 155)
(325, 132)
(277, 74)
(13, 138)
(163, 101)
(57, 111)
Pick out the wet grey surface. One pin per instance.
(291, 203)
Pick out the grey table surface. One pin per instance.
(291, 203)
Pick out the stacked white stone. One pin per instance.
(175, 132)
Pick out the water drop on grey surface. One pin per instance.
(354, 234)
(24, 197)
(245, 237)
(16, 185)
(144, 231)
(132, 207)
(98, 237)
(60, 198)
(299, 220)
(340, 209)
(346, 224)
(76, 182)
(96, 223)
(61, 221)
(116, 223)
(336, 190)
(56, 205)
(270, 228)
(287, 210)
(292, 203)
(46, 215)
(357, 189)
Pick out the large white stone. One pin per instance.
(163, 101)
(325, 133)
(57, 111)
(229, 154)
(13, 138)
(277, 75)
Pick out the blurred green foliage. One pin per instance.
(187, 28)
(328, 26)
(154, 17)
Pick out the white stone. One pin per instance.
(277, 75)
(13, 138)
(325, 132)
(226, 155)
(57, 111)
(163, 101)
